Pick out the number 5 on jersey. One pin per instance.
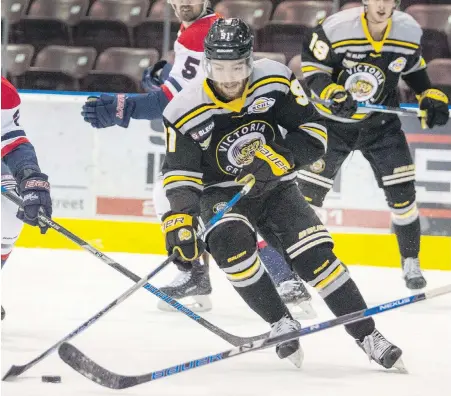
(170, 140)
(190, 68)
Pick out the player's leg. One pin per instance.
(309, 245)
(194, 284)
(232, 243)
(11, 225)
(390, 158)
(289, 286)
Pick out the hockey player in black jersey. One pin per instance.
(359, 55)
(254, 118)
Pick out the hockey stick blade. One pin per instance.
(96, 373)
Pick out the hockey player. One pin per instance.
(358, 55)
(163, 81)
(254, 118)
(20, 174)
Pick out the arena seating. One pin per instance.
(93, 30)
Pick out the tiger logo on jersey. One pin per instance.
(238, 148)
(365, 82)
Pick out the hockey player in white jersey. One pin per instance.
(20, 174)
(163, 81)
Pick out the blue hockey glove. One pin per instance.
(108, 110)
(154, 76)
(34, 189)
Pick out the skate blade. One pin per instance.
(297, 358)
(399, 365)
(194, 303)
(302, 310)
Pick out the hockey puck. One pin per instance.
(55, 379)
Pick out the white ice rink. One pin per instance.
(47, 294)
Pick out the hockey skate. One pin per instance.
(412, 273)
(382, 351)
(194, 285)
(298, 299)
(290, 349)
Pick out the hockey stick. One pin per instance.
(91, 370)
(15, 371)
(400, 111)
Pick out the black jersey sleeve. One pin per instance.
(318, 60)
(415, 74)
(182, 172)
(306, 133)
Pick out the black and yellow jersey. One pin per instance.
(208, 141)
(341, 51)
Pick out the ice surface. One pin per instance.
(49, 293)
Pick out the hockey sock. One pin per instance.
(346, 299)
(408, 238)
(263, 299)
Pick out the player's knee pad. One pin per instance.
(233, 245)
(401, 200)
(314, 187)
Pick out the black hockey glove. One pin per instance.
(343, 104)
(435, 103)
(270, 163)
(35, 191)
(180, 233)
(152, 76)
(108, 110)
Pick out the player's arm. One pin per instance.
(306, 132)
(182, 181)
(20, 157)
(318, 62)
(433, 101)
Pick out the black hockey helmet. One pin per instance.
(229, 39)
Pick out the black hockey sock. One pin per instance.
(408, 238)
(346, 299)
(263, 299)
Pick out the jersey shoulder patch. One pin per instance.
(192, 38)
(405, 28)
(10, 97)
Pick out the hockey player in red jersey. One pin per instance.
(21, 174)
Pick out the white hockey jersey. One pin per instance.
(189, 50)
(13, 134)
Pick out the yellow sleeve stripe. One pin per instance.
(172, 179)
(265, 81)
(356, 116)
(315, 130)
(195, 113)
